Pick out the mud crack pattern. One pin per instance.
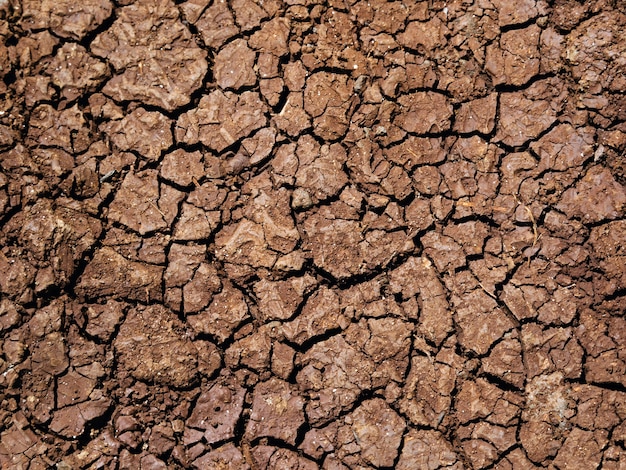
(305, 234)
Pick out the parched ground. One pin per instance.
(302, 234)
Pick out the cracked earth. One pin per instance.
(305, 234)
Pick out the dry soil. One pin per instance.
(306, 234)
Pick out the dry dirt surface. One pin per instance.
(306, 234)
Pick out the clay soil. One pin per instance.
(302, 234)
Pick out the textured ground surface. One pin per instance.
(301, 234)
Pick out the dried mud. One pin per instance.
(301, 234)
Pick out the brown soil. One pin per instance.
(305, 234)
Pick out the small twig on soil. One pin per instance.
(533, 221)
(487, 292)
(107, 176)
(157, 208)
(440, 418)
(412, 153)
